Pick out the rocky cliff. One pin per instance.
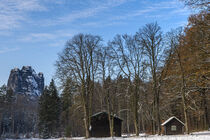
(26, 81)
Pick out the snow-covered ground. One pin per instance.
(205, 135)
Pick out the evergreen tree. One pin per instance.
(9, 96)
(55, 108)
(3, 90)
(66, 101)
(44, 113)
(9, 100)
(66, 96)
(49, 111)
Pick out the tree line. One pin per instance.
(143, 78)
(18, 114)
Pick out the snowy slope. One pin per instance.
(195, 136)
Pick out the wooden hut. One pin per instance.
(173, 126)
(100, 125)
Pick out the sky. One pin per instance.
(33, 32)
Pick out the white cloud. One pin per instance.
(99, 24)
(5, 33)
(14, 11)
(173, 7)
(58, 43)
(94, 8)
(53, 39)
(6, 49)
(40, 37)
(150, 10)
(166, 4)
(180, 11)
(133, 14)
(34, 37)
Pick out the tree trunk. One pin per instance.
(111, 124)
(158, 113)
(206, 120)
(135, 105)
(153, 118)
(135, 113)
(86, 121)
(85, 109)
(183, 91)
(127, 119)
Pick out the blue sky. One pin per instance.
(33, 32)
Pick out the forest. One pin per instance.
(144, 78)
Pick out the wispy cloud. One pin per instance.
(58, 43)
(97, 24)
(180, 11)
(166, 4)
(47, 36)
(54, 39)
(37, 37)
(14, 11)
(153, 10)
(6, 49)
(133, 14)
(95, 8)
(150, 10)
(5, 33)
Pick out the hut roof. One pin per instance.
(173, 117)
(103, 112)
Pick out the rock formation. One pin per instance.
(26, 81)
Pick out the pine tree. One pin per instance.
(10, 98)
(66, 101)
(55, 107)
(3, 90)
(44, 114)
(49, 111)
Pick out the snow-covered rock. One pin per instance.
(26, 81)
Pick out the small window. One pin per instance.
(173, 128)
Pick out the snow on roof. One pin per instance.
(98, 113)
(104, 112)
(173, 117)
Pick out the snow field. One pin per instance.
(205, 135)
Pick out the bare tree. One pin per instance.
(129, 57)
(150, 37)
(106, 69)
(79, 61)
(198, 4)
